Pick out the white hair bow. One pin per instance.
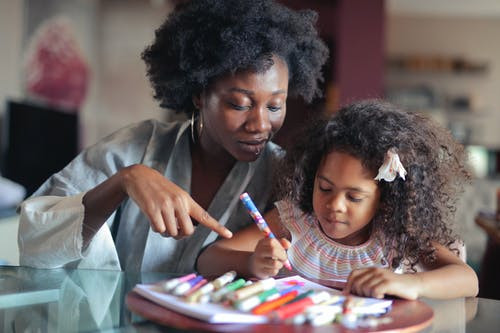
(391, 167)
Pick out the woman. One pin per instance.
(129, 201)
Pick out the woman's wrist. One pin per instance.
(100, 202)
(124, 177)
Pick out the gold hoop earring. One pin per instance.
(201, 126)
(192, 127)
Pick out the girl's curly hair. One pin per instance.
(204, 39)
(412, 212)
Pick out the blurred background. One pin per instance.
(71, 73)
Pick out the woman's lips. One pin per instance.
(253, 146)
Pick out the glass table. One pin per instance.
(62, 300)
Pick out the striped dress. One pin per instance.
(314, 255)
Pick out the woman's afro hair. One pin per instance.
(204, 39)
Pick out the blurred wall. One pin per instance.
(125, 95)
(11, 27)
(471, 38)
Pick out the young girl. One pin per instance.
(368, 194)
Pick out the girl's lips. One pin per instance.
(334, 221)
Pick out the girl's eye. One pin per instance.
(354, 199)
(274, 108)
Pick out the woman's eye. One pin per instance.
(324, 189)
(239, 107)
(274, 108)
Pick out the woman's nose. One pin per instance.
(258, 120)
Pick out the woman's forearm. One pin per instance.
(100, 203)
(216, 260)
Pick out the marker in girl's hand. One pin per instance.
(259, 220)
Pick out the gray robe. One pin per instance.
(51, 221)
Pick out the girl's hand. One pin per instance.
(168, 207)
(378, 282)
(268, 257)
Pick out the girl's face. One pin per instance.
(242, 111)
(345, 198)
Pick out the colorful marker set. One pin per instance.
(290, 302)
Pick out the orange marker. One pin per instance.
(269, 306)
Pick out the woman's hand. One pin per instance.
(378, 282)
(168, 207)
(268, 257)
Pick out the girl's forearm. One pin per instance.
(450, 281)
(100, 203)
(216, 260)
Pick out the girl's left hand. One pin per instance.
(378, 282)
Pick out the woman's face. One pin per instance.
(242, 111)
(345, 198)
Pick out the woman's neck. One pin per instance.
(209, 170)
(211, 160)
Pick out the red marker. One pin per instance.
(292, 309)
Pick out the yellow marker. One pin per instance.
(211, 286)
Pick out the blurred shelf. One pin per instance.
(419, 64)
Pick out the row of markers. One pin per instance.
(263, 298)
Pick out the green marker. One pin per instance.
(301, 296)
(219, 294)
(249, 303)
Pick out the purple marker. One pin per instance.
(182, 288)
